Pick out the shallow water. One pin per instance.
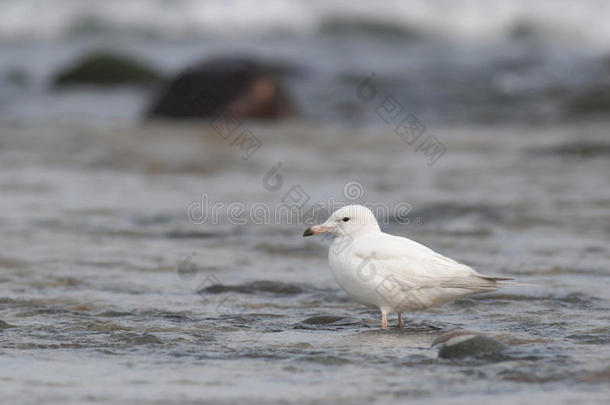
(109, 293)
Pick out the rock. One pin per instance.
(256, 287)
(457, 344)
(322, 319)
(104, 68)
(326, 322)
(239, 87)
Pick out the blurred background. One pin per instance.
(481, 127)
(449, 62)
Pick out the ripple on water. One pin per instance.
(135, 339)
(597, 336)
(324, 359)
(596, 377)
(575, 300)
(104, 326)
(581, 149)
(536, 373)
(114, 314)
(263, 286)
(328, 322)
(4, 325)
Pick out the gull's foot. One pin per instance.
(400, 320)
(384, 320)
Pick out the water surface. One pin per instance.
(109, 293)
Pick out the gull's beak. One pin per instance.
(316, 229)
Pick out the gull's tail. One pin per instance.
(480, 283)
(504, 281)
(495, 278)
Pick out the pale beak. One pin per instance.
(316, 229)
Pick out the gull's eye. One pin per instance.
(345, 219)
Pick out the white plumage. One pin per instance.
(390, 272)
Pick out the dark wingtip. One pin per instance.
(496, 278)
(308, 232)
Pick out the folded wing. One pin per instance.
(425, 278)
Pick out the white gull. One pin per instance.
(393, 273)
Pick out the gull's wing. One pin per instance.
(426, 278)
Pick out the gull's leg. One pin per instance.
(384, 320)
(399, 320)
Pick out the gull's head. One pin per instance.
(350, 220)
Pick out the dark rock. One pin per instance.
(238, 87)
(322, 320)
(327, 322)
(255, 287)
(459, 344)
(105, 68)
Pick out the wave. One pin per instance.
(583, 22)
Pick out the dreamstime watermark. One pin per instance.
(407, 126)
(290, 211)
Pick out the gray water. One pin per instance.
(110, 292)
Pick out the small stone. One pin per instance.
(105, 68)
(322, 320)
(224, 88)
(459, 344)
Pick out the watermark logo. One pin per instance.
(187, 270)
(294, 208)
(406, 125)
(353, 191)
